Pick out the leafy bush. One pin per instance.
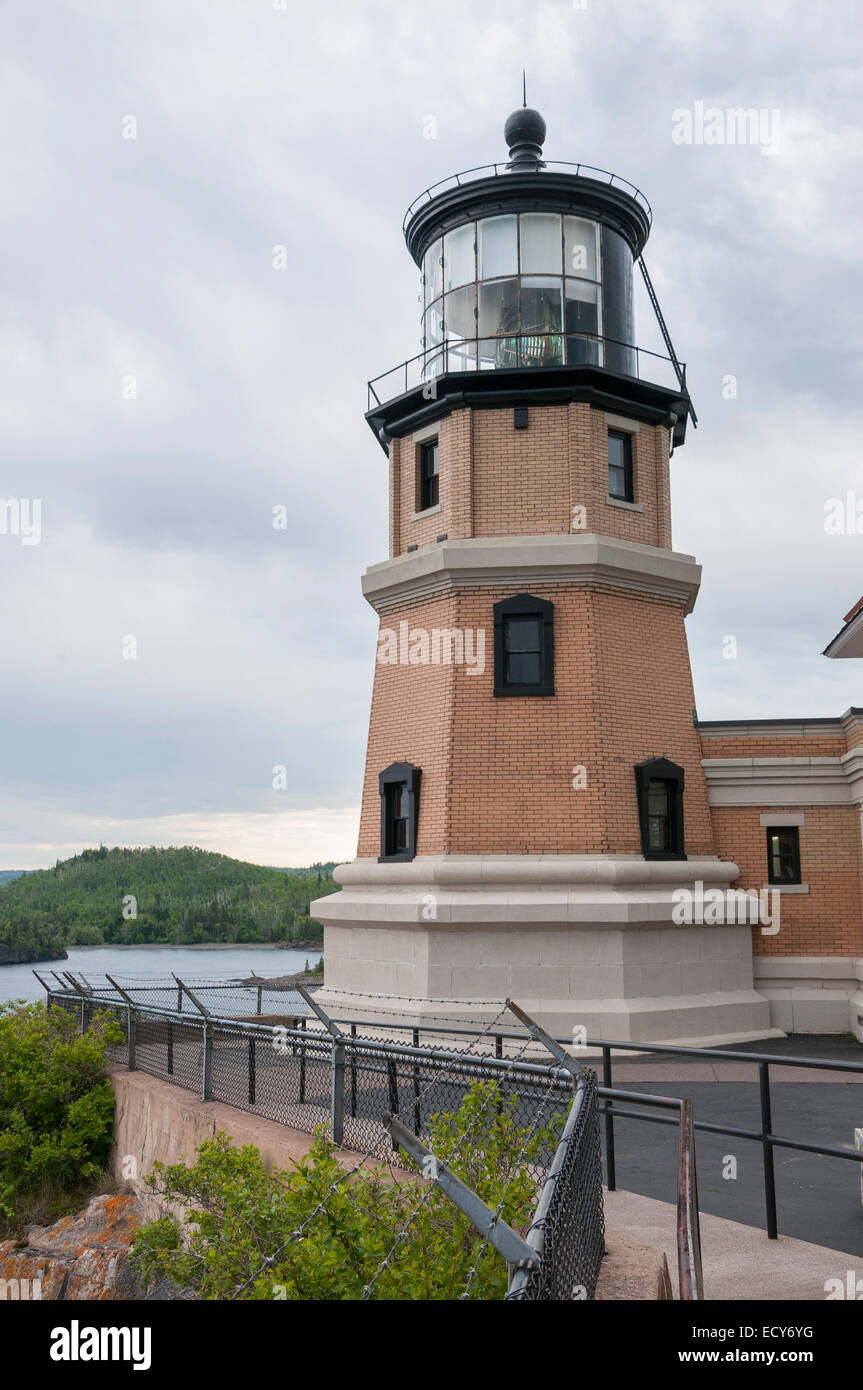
(235, 1213)
(56, 1105)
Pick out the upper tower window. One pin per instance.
(523, 646)
(620, 479)
(429, 475)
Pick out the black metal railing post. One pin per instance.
(303, 1064)
(132, 1029)
(353, 1075)
(416, 1070)
(337, 1100)
(170, 1048)
(207, 1067)
(767, 1150)
(251, 1071)
(392, 1082)
(610, 1174)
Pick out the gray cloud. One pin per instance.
(303, 128)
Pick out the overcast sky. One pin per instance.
(262, 124)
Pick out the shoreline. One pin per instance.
(203, 946)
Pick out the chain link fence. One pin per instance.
(568, 1229)
(298, 1073)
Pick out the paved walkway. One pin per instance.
(738, 1261)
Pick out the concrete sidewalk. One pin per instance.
(738, 1261)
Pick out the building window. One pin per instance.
(523, 646)
(399, 786)
(620, 466)
(783, 854)
(429, 475)
(514, 290)
(659, 788)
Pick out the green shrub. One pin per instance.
(236, 1213)
(56, 1105)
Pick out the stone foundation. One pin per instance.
(577, 941)
(813, 994)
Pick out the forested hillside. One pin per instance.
(177, 896)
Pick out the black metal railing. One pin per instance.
(298, 1076)
(307, 1076)
(486, 171)
(611, 1109)
(524, 348)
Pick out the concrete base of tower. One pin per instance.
(579, 941)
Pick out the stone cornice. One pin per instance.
(499, 872)
(526, 560)
(791, 781)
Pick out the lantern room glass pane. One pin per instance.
(461, 355)
(579, 237)
(459, 259)
(433, 271)
(541, 243)
(432, 365)
(581, 318)
(498, 307)
(541, 307)
(498, 247)
(433, 324)
(460, 313)
(490, 350)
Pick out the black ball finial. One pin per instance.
(524, 133)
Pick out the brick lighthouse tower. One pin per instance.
(534, 793)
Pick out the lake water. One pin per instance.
(196, 962)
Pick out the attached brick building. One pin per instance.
(543, 816)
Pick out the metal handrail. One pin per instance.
(450, 347)
(763, 1136)
(501, 169)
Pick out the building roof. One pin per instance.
(849, 639)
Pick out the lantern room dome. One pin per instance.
(527, 264)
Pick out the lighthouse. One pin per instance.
(534, 809)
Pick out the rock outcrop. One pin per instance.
(81, 1257)
(22, 955)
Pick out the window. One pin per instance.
(620, 466)
(429, 475)
(502, 290)
(541, 243)
(523, 646)
(783, 854)
(399, 786)
(659, 789)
